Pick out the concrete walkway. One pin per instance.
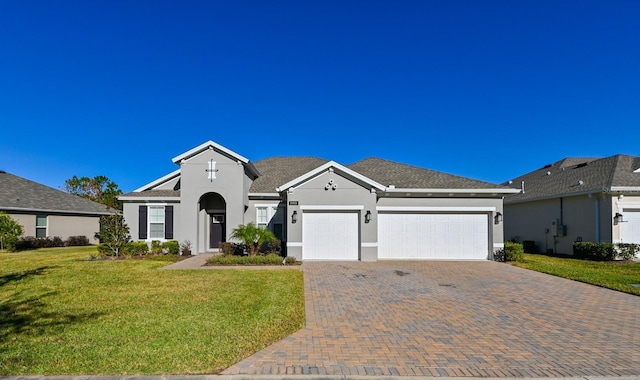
(195, 262)
(453, 319)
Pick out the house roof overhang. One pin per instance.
(55, 211)
(158, 181)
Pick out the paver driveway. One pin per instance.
(454, 319)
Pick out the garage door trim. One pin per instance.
(473, 209)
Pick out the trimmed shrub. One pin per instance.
(627, 251)
(25, 243)
(76, 241)
(594, 251)
(530, 246)
(274, 246)
(270, 259)
(513, 251)
(171, 247)
(136, 248)
(156, 247)
(233, 249)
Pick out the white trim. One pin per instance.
(436, 208)
(294, 244)
(327, 166)
(266, 205)
(498, 245)
(332, 207)
(391, 189)
(168, 199)
(369, 245)
(164, 227)
(264, 195)
(202, 147)
(625, 188)
(157, 182)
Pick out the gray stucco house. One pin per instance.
(576, 199)
(46, 212)
(321, 210)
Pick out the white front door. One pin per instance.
(330, 236)
(433, 236)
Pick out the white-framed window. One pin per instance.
(41, 226)
(267, 217)
(156, 222)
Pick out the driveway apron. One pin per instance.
(453, 318)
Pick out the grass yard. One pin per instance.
(61, 314)
(612, 275)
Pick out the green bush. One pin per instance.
(594, 251)
(156, 247)
(513, 251)
(270, 259)
(229, 249)
(104, 251)
(628, 251)
(530, 246)
(25, 243)
(136, 248)
(172, 247)
(76, 241)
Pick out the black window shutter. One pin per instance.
(142, 222)
(168, 222)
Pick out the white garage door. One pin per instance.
(330, 236)
(433, 236)
(630, 228)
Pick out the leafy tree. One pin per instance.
(98, 189)
(10, 231)
(114, 233)
(253, 237)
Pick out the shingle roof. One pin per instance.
(412, 177)
(17, 193)
(577, 175)
(278, 170)
(153, 194)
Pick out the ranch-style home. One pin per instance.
(576, 199)
(321, 210)
(46, 212)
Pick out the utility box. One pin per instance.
(560, 229)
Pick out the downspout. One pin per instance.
(598, 219)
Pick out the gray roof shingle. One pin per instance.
(17, 193)
(412, 177)
(276, 171)
(563, 177)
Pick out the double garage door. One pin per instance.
(335, 236)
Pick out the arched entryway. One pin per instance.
(213, 209)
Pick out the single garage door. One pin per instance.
(433, 236)
(330, 236)
(630, 228)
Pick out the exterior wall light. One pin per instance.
(497, 218)
(617, 219)
(294, 217)
(367, 217)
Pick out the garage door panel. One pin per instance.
(330, 236)
(433, 236)
(630, 229)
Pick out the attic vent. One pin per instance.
(548, 173)
(3, 172)
(582, 165)
(547, 166)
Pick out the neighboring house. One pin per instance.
(47, 212)
(321, 210)
(576, 199)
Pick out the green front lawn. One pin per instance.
(612, 275)
(61, 314)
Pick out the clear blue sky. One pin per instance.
(483, 89)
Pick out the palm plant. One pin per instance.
(252, 236)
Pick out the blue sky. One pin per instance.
(483, 89)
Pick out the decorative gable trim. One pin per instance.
(158, 181)
(202, 147)
(336, 166)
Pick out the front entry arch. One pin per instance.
(213, 211)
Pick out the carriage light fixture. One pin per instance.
(498, 218)
(367, 217)
(618, 218)
(294, 217)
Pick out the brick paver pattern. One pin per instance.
(447, 318)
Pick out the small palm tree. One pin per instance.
(253, 237)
